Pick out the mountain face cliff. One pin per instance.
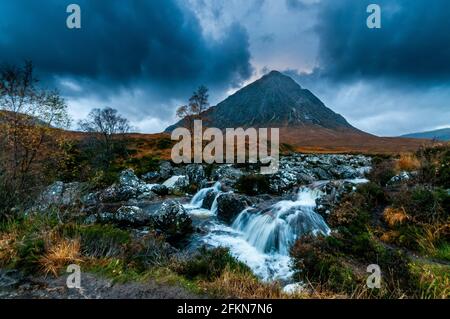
(275, 100)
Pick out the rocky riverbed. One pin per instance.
(195, 205)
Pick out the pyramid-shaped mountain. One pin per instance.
(275, 100)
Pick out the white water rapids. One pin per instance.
(262, 239)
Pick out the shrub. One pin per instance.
(314, 262)
(142, 165)
(407, 162)
(209, 264)
(382, 172)
(422, 204)
(150, 251)
(253, 184)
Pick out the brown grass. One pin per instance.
(8, 251)
(407, 162)
(62, 253)
(242, 285)
(395, 216)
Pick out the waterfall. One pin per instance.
(275, 230)
(261, 239)
(197, 200)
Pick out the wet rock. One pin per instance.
(196, 174)
(160, 190)
(151, 177)
(226, 174)
(165, 170)
(173, 220)
(209, 199)
(229, 205)
(177, 184)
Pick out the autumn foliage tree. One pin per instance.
(29, 116)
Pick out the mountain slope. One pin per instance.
(440, 135)
(277, 101)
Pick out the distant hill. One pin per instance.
(439, 135)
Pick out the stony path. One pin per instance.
(13, 286)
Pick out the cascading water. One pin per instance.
(197, 200)
(277, 228)
(262, 239)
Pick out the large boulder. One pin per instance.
(160, 190)
(173, 221)
(226, 174)
(128, 216)
(165, 170)
(61, 195)
(128, 178)
(177, 184)
(196, 174)
(151, 177)
(229, 205)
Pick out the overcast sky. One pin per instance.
(145, 57)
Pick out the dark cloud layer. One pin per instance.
(413, 42)
(121, 41)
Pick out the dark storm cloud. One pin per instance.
(413, 42)
(121, 41)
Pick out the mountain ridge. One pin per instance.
(440, 134)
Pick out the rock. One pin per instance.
(160, 190)
(400, 178)
(173, 220)
(196, 174)
(282, 181)
(229, 205)
(165, 170)
(128, 178)
(177, 184)
(59, 195)
(130, 216)
(209, 199)
(147, 196)
(321, 174)
(151, 177)
(117, 193)
(226, 174)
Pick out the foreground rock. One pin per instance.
(173, 220)
(60, 195)
(229, 205)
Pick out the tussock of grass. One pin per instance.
(407, 162)
(61, 254)
(243, 285)
(395, 216)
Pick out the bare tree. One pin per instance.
(29, 116)
(108, 127)
(194, 110)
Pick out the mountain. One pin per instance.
(277, 101)
(439, 135)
